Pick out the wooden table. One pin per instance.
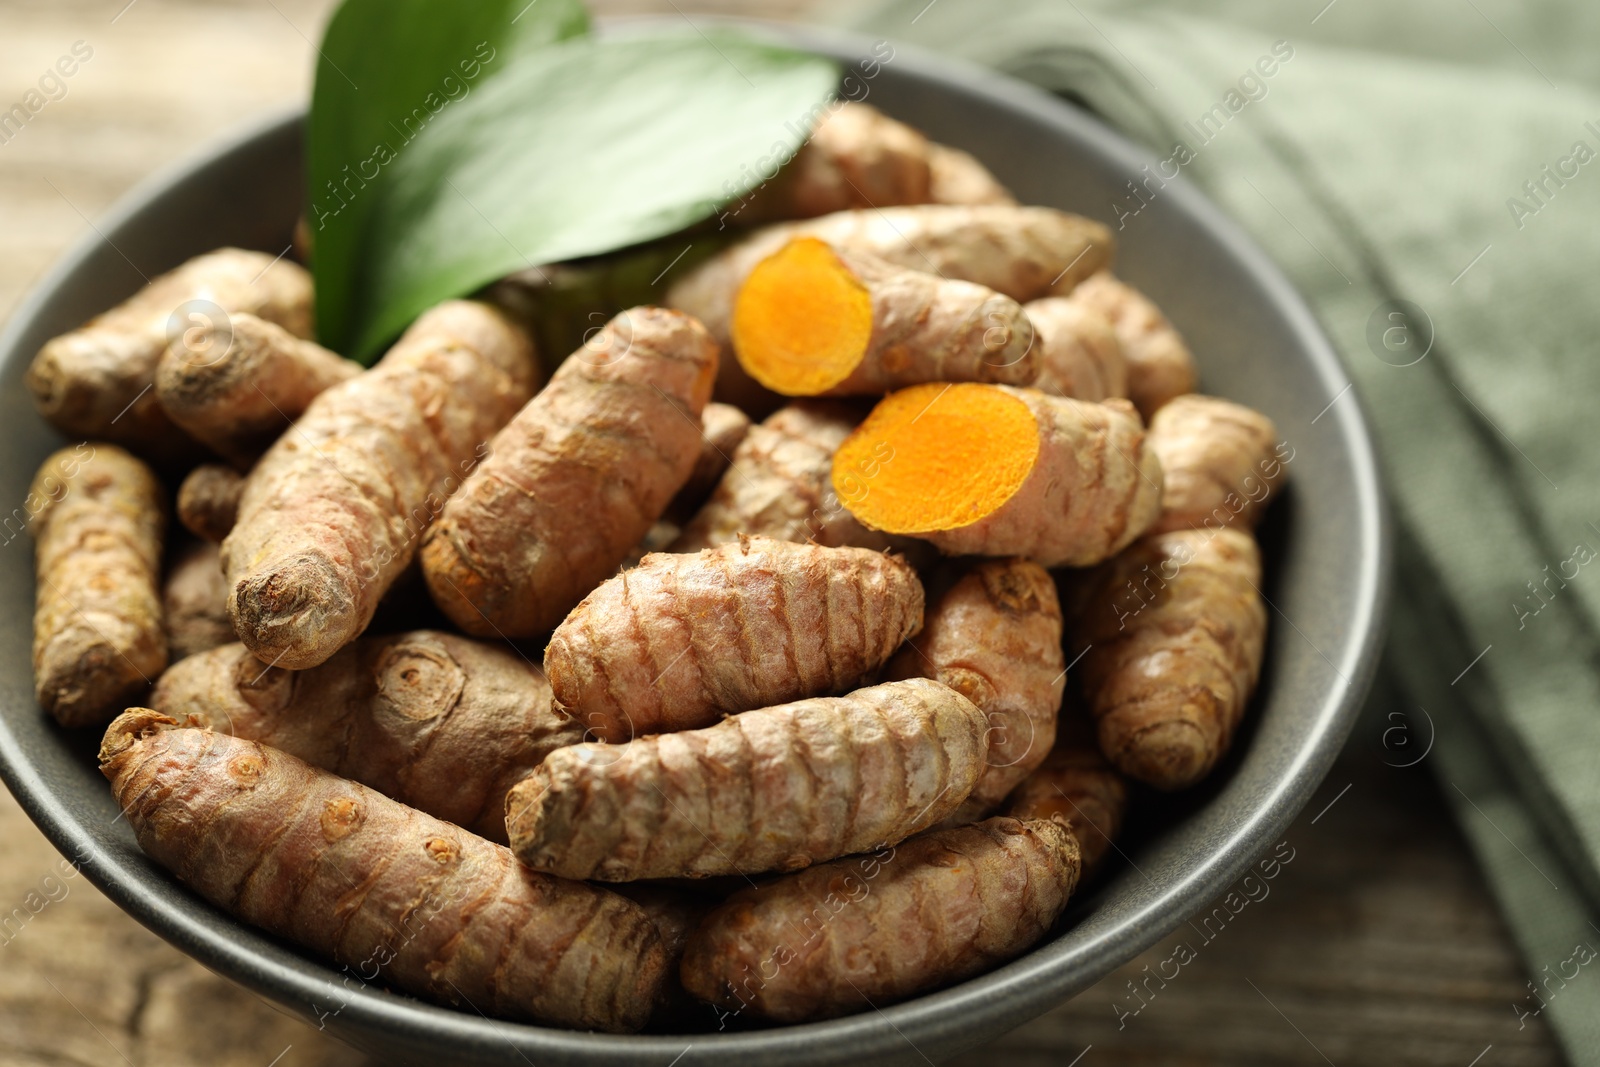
(1378, 943)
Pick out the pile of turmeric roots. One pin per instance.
(749, 706)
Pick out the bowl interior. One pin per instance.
(1256, 343)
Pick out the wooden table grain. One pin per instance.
(1376, 944)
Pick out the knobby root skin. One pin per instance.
(1160, 365)
(994, 636)
(770, 790)
(194, 602)
(1078, 353)
(334, 511)
(1221, 463)
(379, 887)
(1021, 252)
(859, 158)
(1177, 630)
(779, 485)
(856, 157)
(676, 912)
(208, 501)
(1076, 786)
(722, 428)
(237, 384)
(576, 480)
(95, 382)
(441, 722)
(683, 639)
(98, 519)
(991, 470)
(812, 320)
(869, 930)
(956, 177)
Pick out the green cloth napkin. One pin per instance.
(1389, 156)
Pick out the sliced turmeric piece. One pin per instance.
(779, 485)
(235, 385)
(1160, 365)
(994, 636)
(1079, 788)
(866, 931)
(681, 640)
(346, 872)
(438, 721)
(574, 482)
(334, 511)
(208, 500)
(1021, 252)
(1222, 463)
(770, 790)
(95, 382)
(1176, 630)
(1078, 351)
(996, 471)
(97, 519)
(812, 321)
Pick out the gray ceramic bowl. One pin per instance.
(1256, 342)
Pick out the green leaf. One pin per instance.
(387, 70)
(580, 148)
(566, 303)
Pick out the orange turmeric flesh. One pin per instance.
(813, 320)
(956, 453)
(990, 470)
(803, 320)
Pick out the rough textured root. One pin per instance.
(208, 500)
(236, 385)
(1160, 365)
(869, 930)
(856, 157)
(722, 428)
(95, 382)
(780, 485)
(440, 722)
(195, 602)
(1022, 252)
(576, 479)
(1078, 353)
(994, 471)
(1076, 786)
(956, 177)
(676, 913)
(681, 640)
(333, 513)
(994, 636)
(1177, 629)
(1221, 460)
(812, 320)
(97, 516)
(377, 886)
(769, 790)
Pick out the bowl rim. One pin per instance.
(947, 1020)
